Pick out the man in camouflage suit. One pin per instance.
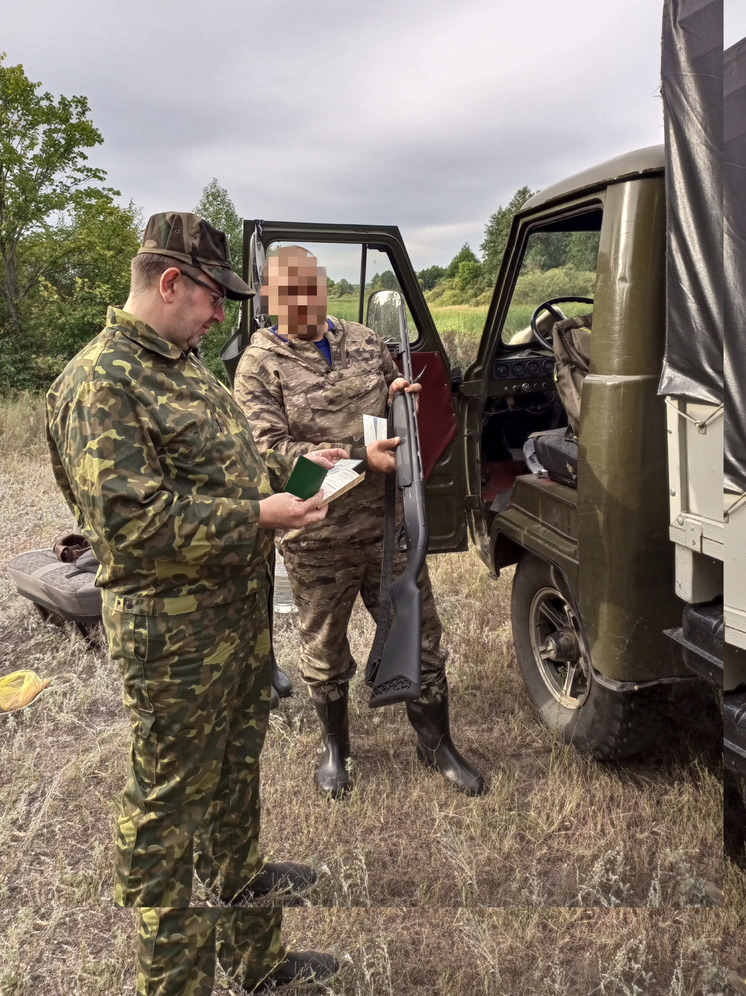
(303, 383)
(159, 466)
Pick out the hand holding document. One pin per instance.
(308, 478)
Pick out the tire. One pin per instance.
(558, 673)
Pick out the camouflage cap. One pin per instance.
(191, 239)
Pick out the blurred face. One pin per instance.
(296, 291)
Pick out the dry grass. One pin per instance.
(528, 890)
(400, 951)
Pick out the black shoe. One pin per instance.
(280, 877)
(280, 681)
(274, 698)
(436, 749)
(332, 776)
(300, 966)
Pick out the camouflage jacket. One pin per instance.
(159, 466)
(296, 402)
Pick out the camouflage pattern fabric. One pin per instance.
(296, 403)
(325, 584)
(198, 688)
(158, 464)
(178, 948)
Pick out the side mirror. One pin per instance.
(382, 314)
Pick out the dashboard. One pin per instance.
(522, 374)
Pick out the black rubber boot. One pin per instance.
(300, 967)
(280, 681)
(332, 776)
(436, 749)
(276, 878)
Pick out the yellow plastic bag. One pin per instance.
(20, 688)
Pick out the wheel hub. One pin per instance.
(563, 646)
(558, 652)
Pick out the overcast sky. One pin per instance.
(425, 114)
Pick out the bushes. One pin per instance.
(542, 285)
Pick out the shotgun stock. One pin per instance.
(397, 678)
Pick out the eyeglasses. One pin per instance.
(218, 300)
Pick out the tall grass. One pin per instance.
(460, 327)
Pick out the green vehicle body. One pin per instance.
(597, 559)
(608, 536)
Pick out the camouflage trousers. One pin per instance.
(198, 688)
(178, 949)
(325, 584)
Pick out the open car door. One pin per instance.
(358, 260)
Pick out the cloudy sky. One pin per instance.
(426, 114)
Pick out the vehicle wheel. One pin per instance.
(556, 668)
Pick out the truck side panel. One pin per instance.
(626, 562)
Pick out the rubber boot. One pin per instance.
(280, 680)
(300, 967)
(332, 776)
(436, 749)
(275, 877)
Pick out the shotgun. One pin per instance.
(397, 676)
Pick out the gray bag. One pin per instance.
(62, 589)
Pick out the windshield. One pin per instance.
(559, 261)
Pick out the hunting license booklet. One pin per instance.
(308, 477)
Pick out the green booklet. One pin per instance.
(307, 478)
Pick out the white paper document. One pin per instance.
(374, 428)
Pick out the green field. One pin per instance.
(460, 326)
(344, 307)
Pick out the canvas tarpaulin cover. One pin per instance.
(692, 86)
(734, 265)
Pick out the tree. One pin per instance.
(583, 250)
(430, 276)
(469, 271)
(69, 306)
(43, 175)
(217, 207)
(497, 230)
(464, 255)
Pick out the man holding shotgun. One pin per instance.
(303, 383)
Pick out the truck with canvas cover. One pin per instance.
(586, 447)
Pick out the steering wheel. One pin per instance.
(556, 313)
